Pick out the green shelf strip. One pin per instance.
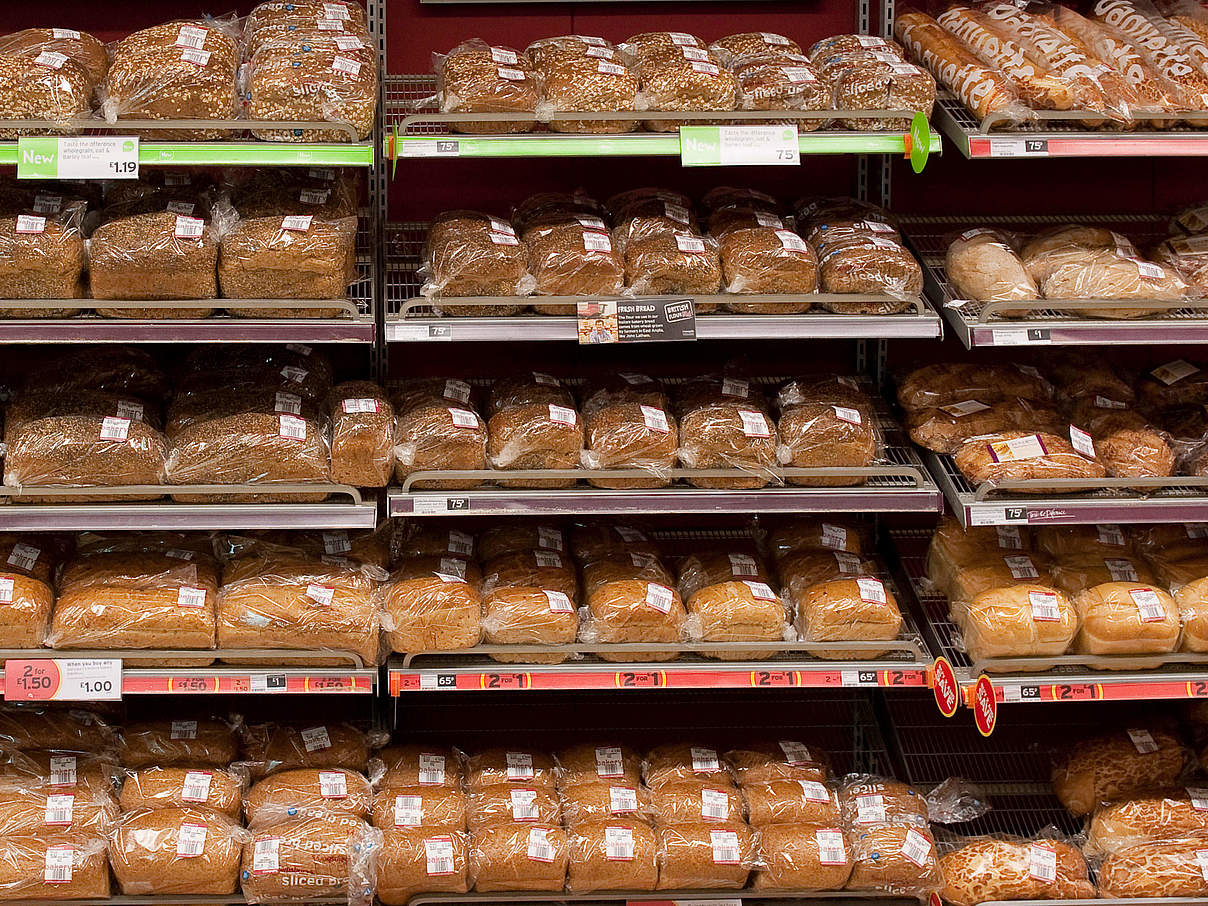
(234, 154)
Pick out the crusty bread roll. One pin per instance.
(989, 868)
(1113, 767)
(431, 611)
(308, 858)
(588, 763)
(419, 806)
(617, 854)
(284, 747)
(635, 610)
(519, 857)
(602, 801)
(1126, 618)
(737, 611)
(167, 743)
(894, 858)
(511, 803)
(791, 802)
(418, 860)
(785, 759)
(308, 791)
(1145, 818)
(1169, 868)
(802, 856)
(78, 864)
(1024, 456)
(524, 767)
(846, 610)
(525, 615)
(694, 801)
(705, 855)
(421, 765)
(191, 851)
(1024, 620)
(210, 788)
(873, 802)
(684, 762)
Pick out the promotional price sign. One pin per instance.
(78, 680)
(77, 157)
(947, 693)
(722, 146)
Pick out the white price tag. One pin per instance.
(59, 810)
(834, 536)
(408, 811)
(292, 427)
(97, 157)
(725, 847)
(830, 846)
(704, 760)
(113, 428)
(1082, 442)
(622, 800)
(191, 841)
(1121, 570)
(659, 597)
(62, 770)
(31, 225)
(1018, 336)
(438, 856)
(1020, 448)
(559, 602)
(1143, 741)
(594, 241)
(1021, 567)
(189, 596)
(1173, 372)
(714, 805)
(813, 791)
(655, 419)
(431, 770)
(524, 805)
(759, 145)
(59, 861)
(1042, 863)
(618, 844)
(297, 223)
(872, 590)
(321, 595)
(870, 809)
(1044, 606)
(561, 415)
(360, 405)
(333, 785)
(520, 765)
(916, 848)
(540, 849)
(196, 787)
(847, 414)
(609, 762)
(1149, 605)
(266, 857)
(754, 423)
(183, 729)
(1199, 798)
(760, 591)
(316, 739)
(24, 556)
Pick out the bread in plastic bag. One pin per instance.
(421, 765)
(48, 810)
(298, 256)
(617, 854)
(729, 436)
(506, 765)
(1024, 456)
(768, 260)
(154, 256)
(508, 803)
(421, 860)
(738, 611)
(1126, 618)
(781, 81)
(440, 437)
(634, 610)
(1167, 868)
(684, 79)
(944, 429)
(706, 855)
(864, 83)
(848, 610)
(42, 257)
(602, 801)
(894, 858)
(983, 266)
(684, 762)
(1010, 868)
(820, 534)
(869, 265)
(362, 434)
(1023, 620)
(1116, 766)
(1118, 827)
(505, 857)
(1188, 257)
(191, 851)
(821, 436)
(475, 77)
(791, 802)
(542, 568)
(574, 260)
(303, 792)
(785, 759)
(274, 747)
(708, 567)
(589, 763)
(47, 87)
(669, 264)
(418, 806)
(600, 80)
(79, 47)
(432, 606)
(299, 859)
(639, 565)
(471, 254)
(631, 436)
(693, 801)
(535, 436)
(948, 383)
(317, 79)
(210, 788)
(34, 726)
(54, 868)
(528, 615)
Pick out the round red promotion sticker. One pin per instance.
(943, 685)
(985, 705)
(30, 681)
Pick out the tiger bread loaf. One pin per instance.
(418, 806)
(311, 857)
(278, 598)
(517, 857)
(144, 599)
(994, 868)
(1021, 620)
(417, 860)
(784, 759)
(511, 802)
(849, 610)
(737, 611)
(1166, 868)
(802, 856)
(308, 791)
(54, 868)
(1146, 817)
(616, 854)
(362, 441)
(433, 604)
(277, 747)
(635, 610)
(210, 788)
(589, 764)
(1117, 766)
(172, 743)
(705, 855)
(177, 851)
(519, 766)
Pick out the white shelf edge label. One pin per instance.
(438, 505)
(77, 157)
(423, 333)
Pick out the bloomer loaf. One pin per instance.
(1116, 766)
(617, 854)
(1024, 456)
(301, 859)
(78, 866)
(1024, 620)
(519, 857)
(705, 855)
(947, 383)
(1006, 869)
(802, 856)
(191, 851)
(642, 565)
(421, 860)
(1145, 818)
(984, 267)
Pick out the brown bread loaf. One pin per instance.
(768, 260)
(695, 801)
(684, 762)
(605, 801)
(846, 610)
(421, 765)
(617, 854)
(821, 435)
(729, 436)
(191, 851)
(440, 436)
(668, 264)
(333, 82)
(154, 256)
(802, 856)
(184, 788)
(785, 759)
(589, 763)
(284, 747)
(631, 436)
(529, 615)
(705, 855)
(54, 868)
(301, 859)
(507, 803)
(635, 610)
(306, 792)
(737, 611)
(519, 766)
(79, 47)
(49, 810)
(894, 858)
(519, 857)
(421, 860)
(535, 436)
(294, 257)
(599, 82)
(477, 78)
(362, 434)
(431, 606)
(170, 743)
(418, 806)
(48, 727)
(43, 258)
(872, 802)
(1024, 456)
(791, 802)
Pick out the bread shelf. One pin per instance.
(1056, 134)
(1047, 322)
(411, 318)
(347, 510)
(1069, 677)
(1178, 498)
(416, 129)
(669, 897)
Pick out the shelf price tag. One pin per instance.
(437, 505)
(1021, 336)
(980, 515)
(727, 146)
(1019, 147)
(82, 680)
(77, 157)
(423, 333)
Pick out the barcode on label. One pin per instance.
(916, 848)
(1143, 741)
(266, 856)
(594, 241)
(408, 811)
(191, 841)
(1021, 567)
(655, 419)
(870, 809)
(795, 752)
(735, 387)
(27, 223)
(24, 556)
(298, 223)
(438, 856)
(291, 427)
(510, 75)
(1199, 798)
(559, 602)
(289, 403)
(609, 762)
(59, 861)
(520, 764)
(540, 848)
(725, 847)
(431, 770)
(59, 809)
(1173, 372)
(113, 428)
(561, 415)
(6, 590)
(196, 57)
(524, 805)
(189, 596)
(1149, 605)
(1082, 442)
(834, 536)
(813, 791)
(872, 590)
(659, 597)
(1044, 606)
(704, 760)
(605, 67)
(714, 805)
(315, 739)
(830, 847)
(618, 844)
(754, 424)
(346, 65)
(196, 787)
(622, 800)
(1042, 862)
(321, 595)
(62, 770)
(847, 414)
(51, 58)
(361, 405)
(1121, 570)
(189, 227)
(1111, 534)
(743, 565)
(333, 785)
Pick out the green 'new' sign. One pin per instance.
(37, 157)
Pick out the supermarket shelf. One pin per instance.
(418, 130)
(347, 509)
(242, 150)
(192, 900)
(1047, 502)
(1068, 677)
(220, 679)
(411, 318)
(1048, 322)
(1056, 134)
(665, 897)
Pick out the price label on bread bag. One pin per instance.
(1042, 863)
(659, 597)
(191, 841)
(519, 766)
(333, 785)
(189, 596)
(1029, 447)
(1082, 442)
(1173, 372)
(196, 787)
(1021, 567)
(609, 762)
(540, 848)
(59, 861)
(872, 590)
(725, 847)
(316, 739)
(754, 423)
(847, 414)
(1121, 570)
(1044, 606)
(438, 856)
(727, 146)
(870, 809)
(1149, 605)
(266, 855)
(618, 844)
(77, 157)
(714, 805)
(704, 760)
(916, 848)
(59, 810)
(408, 811)
(559, 602)
(1143, 741)
(622, 800)
(432, 770)
(91, 679)
(1201, 858)
(524, 805)
(1199, 798)
(830, 846)
(813, 791)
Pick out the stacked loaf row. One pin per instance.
(672, 72)
(264, 235)
(297, 61)
(1125, 63)
(524, 589)
(634, 422)
(656, 242)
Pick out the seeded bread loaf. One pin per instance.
(41, 258)
(602, 801)
(599, 82)
(292, 257)
(768, 260)
(820, 436)
(79, 47)
(520, 766)
(475, 77)
(574, 260)
(535, 436)
(154, 256)
(728, 436)
(362, 434)
(467, 253)
(677, 81)
(785, 759)
(625, 435)
(587, 763)
(669, 264)
(52, 89)
(322, 80)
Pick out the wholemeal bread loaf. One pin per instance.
(54, 868)
(1162, 869)
(817, 534)
(43, 258)
(79, 47)
(604, 801)
(362, 441)
(574, 259)
(635, 610)
(44, 810)
(617, 854)
(511, 803)
(694, 801)
(432, 606)
(775, 80)
(332, 81)
(737, 611)
(47, 87)
(729, 436)
(421, 860)
(705, 855)
(598, 79)
(525, 767)
(1147, 817)
(294, 257)
(801, 571)
(588, 763)
(990, 868)
(1126, 618)
(868, 802)
(472, 254)
(421, 765)
(684, 762)
(802, 856)
(630, 435)
(519, 537)
(184, 788)
(475, 77)
(26, 614)
(894, 858)
(169, 743)
(299, 859)
(440, 436)
(535, 436)
(48, 727)
(529, 615)
(869, 264)
(308, 791)
(191, 851)
(705, 567)
(519, 857)
(1024, 620)
(154, 256)
(668, 264)
(768, 260)
(1116, 766)
(821, 436)
(284, 747)
(791, 802)
(418, 806)
(785, 759)
(845, 610)
(946, 428)
(591, 541)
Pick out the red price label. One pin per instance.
(629, 679)
(84, 679)
(985, 706)
(502, 681)
(771, 678)
(1073, 692)
(30, 681)
(329, 683)
(193, 684)
(943, 684)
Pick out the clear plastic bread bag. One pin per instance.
(739, 611)
(519, 857)
(602, 80)
(434, 604)
(729, 436)
(298, 256)
(190, 851)
(362, 434)
(631, 436)
(308, 791)
(42, 257)
(1143, 817)
(321, 80)
(704, 855)
(1157, 868)
(687, 79)
(641, 564)
(821, 436)
(1024, 456)
(34, 726)
(273, 747)
(857, 609)
(297, 860)
(48, 86)
(529, 615)
(1048, 865)
(471, 254)
(870, 265)
(1188, 256)
(984, 266)
(616, 854)
(421, 860)
(574, 260)
(779, 81)
(475, 77)
(79, 47)
(590, 763)
(54, 868)
(508, 802)
(204, 786)
(634, 610)
(725, 563)
(768, 260)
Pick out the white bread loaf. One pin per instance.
(1127, 618)
(1023, 620)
